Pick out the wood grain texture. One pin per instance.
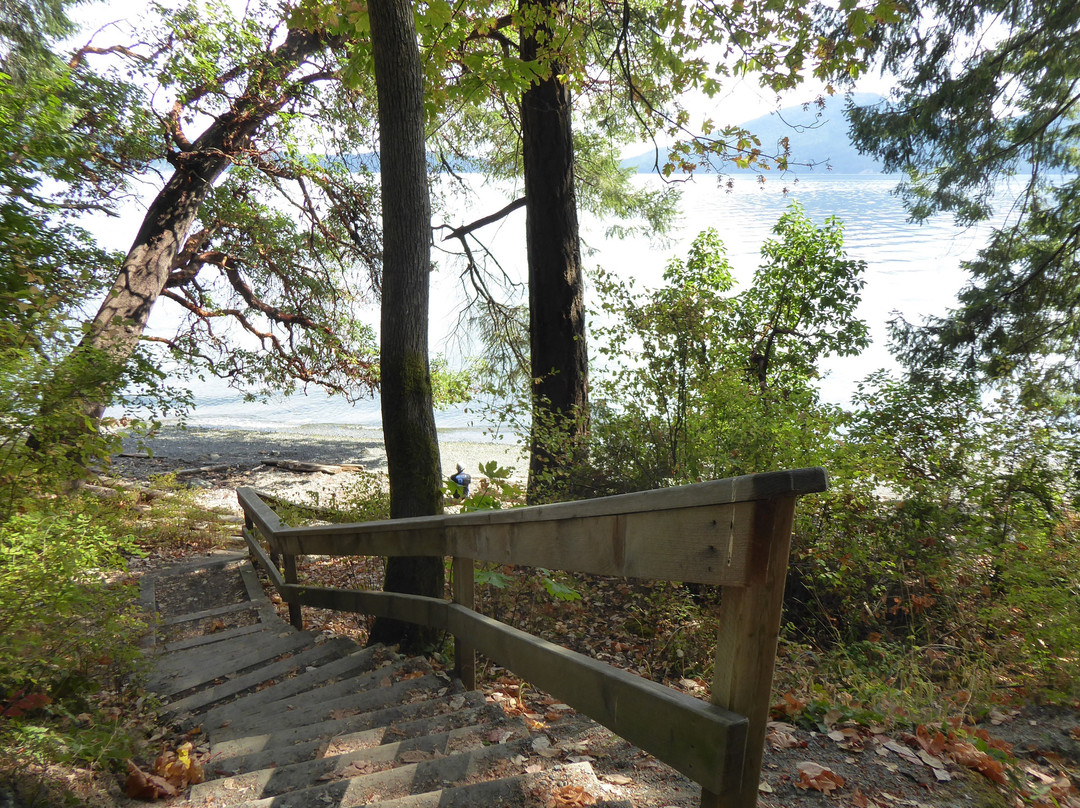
(463, 588)
(746, 646)
(703, 741)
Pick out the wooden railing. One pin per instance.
(733, 533)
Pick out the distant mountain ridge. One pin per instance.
(818, 137)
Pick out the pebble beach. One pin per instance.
(216, 461)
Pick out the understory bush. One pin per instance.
(945, 548)
(67, 608)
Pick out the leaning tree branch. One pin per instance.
(466, 229)
(277, 315)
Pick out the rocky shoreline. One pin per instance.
(303, 465)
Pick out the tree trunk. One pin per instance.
(102, 355)
(556, 288)
(412, 446)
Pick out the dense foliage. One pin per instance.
(703, 383)
(945, 540)
(985, 121)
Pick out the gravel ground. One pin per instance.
(217, 461)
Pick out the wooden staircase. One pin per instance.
(289, 718)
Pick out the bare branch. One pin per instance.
(466, 229)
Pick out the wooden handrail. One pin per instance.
(696, 533)
(735, 533)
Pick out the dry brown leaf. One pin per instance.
(178, 768)
(570, 797)
(143, 786)
(968, 755)
(934, 744)
(781, 737)
(215, 626)
(617, 779)
(788, 707)
(817, 777)
(992, 742)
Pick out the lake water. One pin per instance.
(912, 269)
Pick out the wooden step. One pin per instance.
(495, 760)
(342, 677)
(279, 714)
(322, 731)
(316, 657)
(372, 760)
(329, 742)
(293, 720)
(185, 670)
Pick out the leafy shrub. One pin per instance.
(65, 608)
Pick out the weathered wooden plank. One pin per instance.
(708, 545)
(216, 637)
(746, 648)
(661, 535)
(748, 488)
(216, 611)
(258, 512)
(296, 616)
(260, 555)
(464, 594)
(703, 741)
(407, 608)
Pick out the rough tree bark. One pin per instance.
(115, 331)
(412, 446)
(556, 287)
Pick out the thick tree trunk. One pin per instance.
(412, 446)
(556, 287)
(113, 334)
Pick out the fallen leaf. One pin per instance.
(414, 756)
(617, 779)
(780, 736)
(788, 707)
(903, 752)
(817, 777)
(570, 797)
(935, 744)
(143, 786)
(968, 755)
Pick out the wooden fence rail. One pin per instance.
(733, 533)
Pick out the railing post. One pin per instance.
(296, 617)
(249, 527)
(746, 645)
(464, 594)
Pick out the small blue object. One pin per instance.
(462, 479)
